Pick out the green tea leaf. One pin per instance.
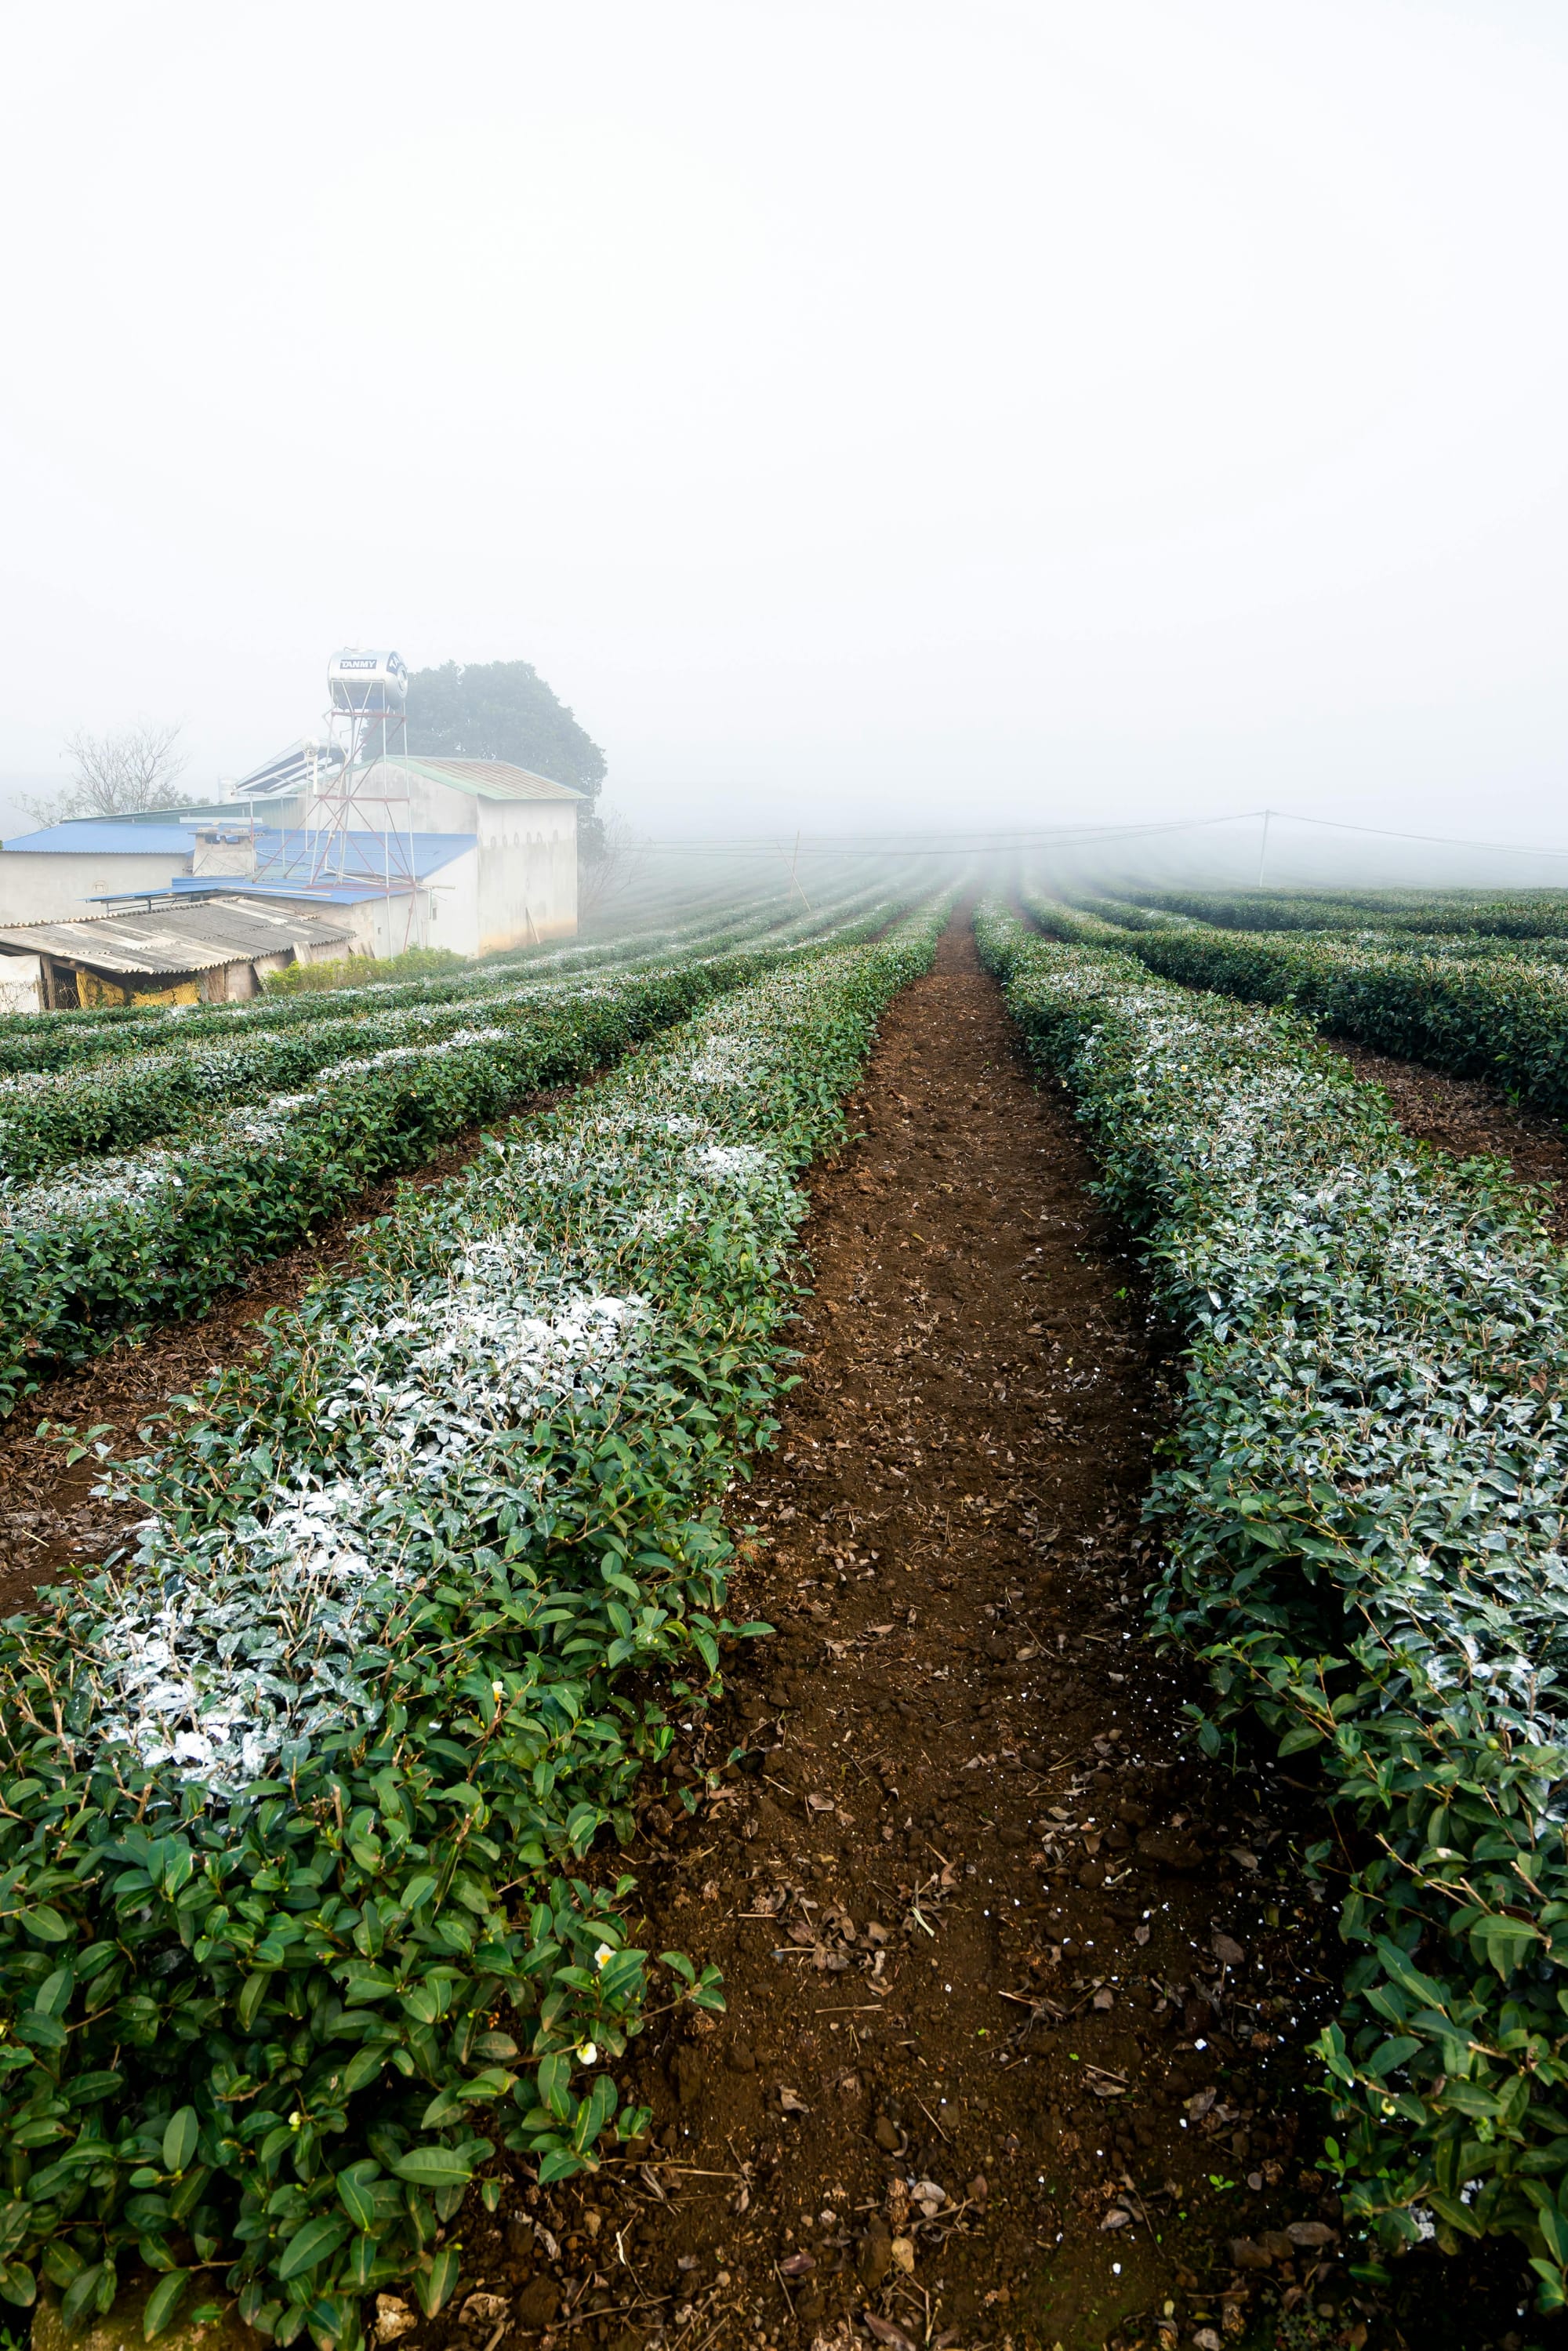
(162, 2302)
(180, 2139)
(310, 2246)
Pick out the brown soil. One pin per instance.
(1017, 1991)
(51, 1520)
(1468, 1117)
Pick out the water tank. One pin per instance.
(358, 679)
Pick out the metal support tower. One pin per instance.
(367, 793)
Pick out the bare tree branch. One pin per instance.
(601, 879)
(120, 774)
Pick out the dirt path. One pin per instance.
(1018, 1996)
(1468, 1116)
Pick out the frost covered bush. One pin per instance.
(1489, 1014)
(104, 1243)
(291, 1936)
(50, 1118)
(113, 1242)
(1365, 1518)
(60, 1041)
(1522, 914)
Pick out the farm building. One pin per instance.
(506, 841)
(471, 855)
(210, 951)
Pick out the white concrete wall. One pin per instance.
(441, 808)
(21, 983)
(42, 885)
(522, 888)
(359, 922)
(452, 899)
(527, 873)
(440, 913)
(227, 858)
(431, 807)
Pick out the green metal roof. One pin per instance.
(485, 779)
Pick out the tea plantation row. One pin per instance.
(290, 1938)
(1363, 1511)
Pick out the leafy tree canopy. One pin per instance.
(501, 710)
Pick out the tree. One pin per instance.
(504, 710)
(611, 861)
(121, 774)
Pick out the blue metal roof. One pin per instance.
(285, 862)
(240, 885)
(105, 836)
(355, 856)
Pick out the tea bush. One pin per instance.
(293, 1932)
(72, 1040)
(107, 1244)
(1520, 914)
(352, 971)
(116, 1242)
(1504, 1017)
(1364, 1506)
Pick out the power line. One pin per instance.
(932, 843)
(1438, 840)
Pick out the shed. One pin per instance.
(205, 953)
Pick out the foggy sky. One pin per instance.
(990, 411)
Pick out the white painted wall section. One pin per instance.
(54, 886)
(527, 873)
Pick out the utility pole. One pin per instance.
(795, 888)
(1263, 847)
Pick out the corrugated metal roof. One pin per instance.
(105, 836)
(173, 937)
(487, 780)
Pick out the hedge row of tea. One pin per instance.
(135, 1093)
(1504, 1018)
(55, 1041)
(118, 1243)
(1372, 934)
(290, 1940)
(1365, 1525)
(110, 1244)
(1520, 914)
(49, 1119)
